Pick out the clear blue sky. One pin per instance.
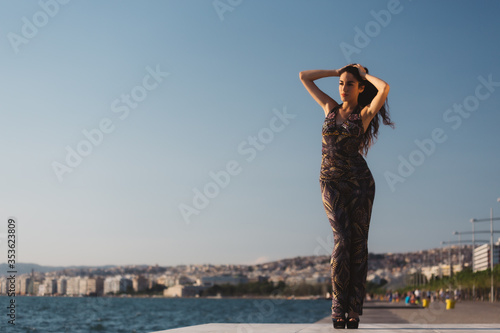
(172, 92)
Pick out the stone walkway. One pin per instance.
(463, 313)
(436, 313)
(327, 328)
(384, 317)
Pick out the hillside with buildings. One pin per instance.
(190, 280)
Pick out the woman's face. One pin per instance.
(349, 88)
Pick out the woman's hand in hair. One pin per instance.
(362, 71)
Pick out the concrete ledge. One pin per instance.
(324, 328)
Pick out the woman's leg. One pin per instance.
(334, 194)
(359, 210)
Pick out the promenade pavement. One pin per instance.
(436, 313)
(463, 313)
(384, 317)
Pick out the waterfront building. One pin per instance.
(448, 270)
(23, 284)
(432, 271)
(73, 286)
(126, 285)
(482, 256)
(183, 291)
(117, 284)
(83, 286)
(61, 286)
(35, 286)
(3, 285)
(95, 286)
(184, 280)
(210, 281)
(49, 287)
(140, 283)
(166, 280)
(41, 290)
(111, 285)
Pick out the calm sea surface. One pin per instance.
(103, 314)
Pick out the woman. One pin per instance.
(347, 185)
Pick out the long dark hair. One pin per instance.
(365, 98)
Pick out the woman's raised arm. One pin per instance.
(378, 101)
(308, 77)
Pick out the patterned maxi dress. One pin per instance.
(348, 190)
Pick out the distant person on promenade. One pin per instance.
(347, 185)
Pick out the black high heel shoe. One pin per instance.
(352, 323)
(338, 322)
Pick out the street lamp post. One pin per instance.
(459, 248)
(449, 255)
(492, 256)
(473, 248)
(491, 226)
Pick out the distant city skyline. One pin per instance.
(189, 280)
(178, 132)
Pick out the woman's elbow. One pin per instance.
(386, 88)
(305, 76)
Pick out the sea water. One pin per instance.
(115, 314)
